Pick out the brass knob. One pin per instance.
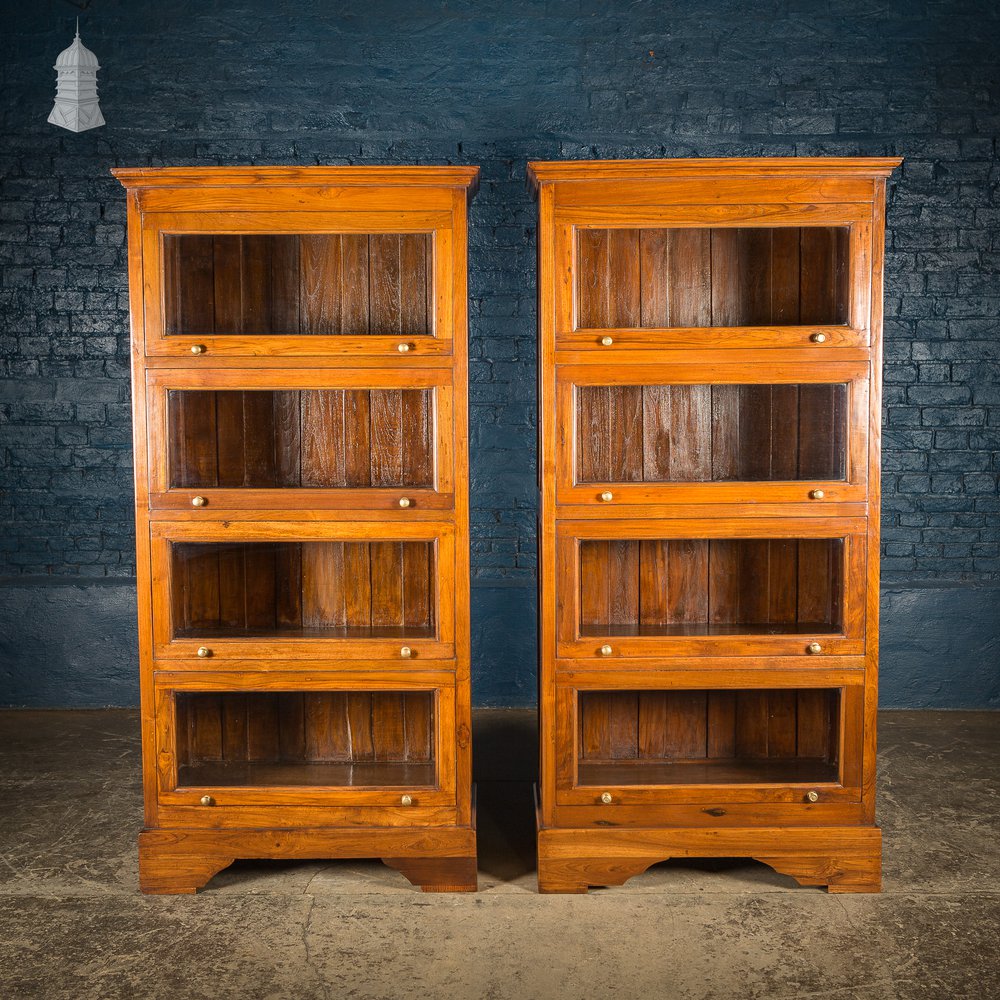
(812, 796)
(606, 798)
(406, 800)
(405, 652)
(814, 647)
(198, 501)
(197, 348)
(818, 338)
(403, 348)
(606, 650)
(606, 341)
(607, 496)
(405, 501)
(207, 800)
(816, 494)
(204, 651)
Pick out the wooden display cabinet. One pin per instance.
(709, 426)
(299, 370)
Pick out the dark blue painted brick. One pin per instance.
(398, 82)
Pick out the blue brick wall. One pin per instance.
(388, 81)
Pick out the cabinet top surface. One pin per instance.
(826, 166)
(373, 176)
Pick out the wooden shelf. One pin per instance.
(327, 632)
(715, 772)
(684, 629)
(298, 774)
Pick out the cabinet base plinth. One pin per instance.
(844, 859)
(437, 859)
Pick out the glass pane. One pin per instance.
(302, 590)
(299, 438)
(270, 284)
(305, 738)
(710, 433)
(708, 737)
(731, 586)
(628, 278)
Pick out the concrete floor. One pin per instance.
(73, 925)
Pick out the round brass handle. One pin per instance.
(197, 348)
(607, 798)
(606, 650)
(816, 494)
(812, 796)
(607, 341)
(207, 800)
(198, 501)
(607, 496)
(405, 501)
(406, 800)
(405, 652)
(814, 647)
(204, 651)
(818, 338)
(403, 348)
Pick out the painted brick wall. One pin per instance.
(389, 81)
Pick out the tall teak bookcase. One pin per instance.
(709, 390)
(299, 391)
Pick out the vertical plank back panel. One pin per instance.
(623, 725)
(654, 277)
(228, 286)
(357, 440)
(358, 584)
(189, 284)
(387, 437)
(593, 267)
(324, 584)
(283, 285)
(386, 284)
(751, 724)
(387, 583)
(322, 437)
(782, 724)
(321, 275)
(234, 728)
(721, 725)
(389, 725)
(593, 433)
(287, 422)
(263, 727)
(359, 724)
(625, 443)
(689, 282)
(418, 714)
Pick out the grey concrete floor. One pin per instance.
(73, 925)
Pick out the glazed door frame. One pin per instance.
(568, 575)
(438, 342)
(440, 535)
(855, 333)
(166, 684)
(848, 788)
(439, 497)
(853, 487)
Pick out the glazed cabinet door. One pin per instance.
(260, 284)
(726, 276)
(307, 439)
(722, 587)
(228, 590)
(304, 740)
(721, 737)
(720, 433)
